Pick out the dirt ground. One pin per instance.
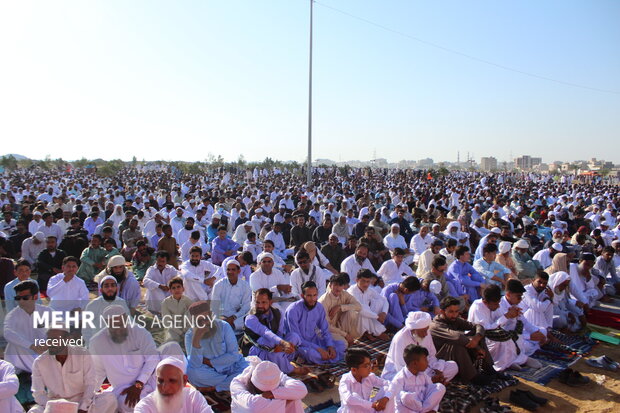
(592, 398)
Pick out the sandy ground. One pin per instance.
(594, 397)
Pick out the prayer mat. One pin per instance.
(570, 343)
(604, 318)
(326, 407)
(459, 398)
(553, 363)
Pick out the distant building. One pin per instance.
(425, 163)
(488, 164)
(526, 162)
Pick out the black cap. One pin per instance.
(587, 256)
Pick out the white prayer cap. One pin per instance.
(264, 255)
(615, 242)
(266, 376)
(60, 406)
(522, 244)
(259, 210)
(558, 230)
(247, 224)
(417, 320)
(60, 328)
(39, 236)
(37, 213)
(395, 225)
(435, 287)
(172, 361)
(116, 261)
(557, 246)
(216, 216)
(504, 247)
(107, 277)
(496, 230)
(233, 262)
(113, 310)
(435, 226)
(551, 214)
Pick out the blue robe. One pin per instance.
(223, 352)
(462, 271)
(312, 327)
(270, 339)
(397, 313)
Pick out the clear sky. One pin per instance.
(177, 80)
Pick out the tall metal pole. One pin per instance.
(309, 180)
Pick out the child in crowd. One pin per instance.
(360, 389)
(174, 311)
(413, 389)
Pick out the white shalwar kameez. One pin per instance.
(395, 362)
(392, 273)
(286, 397)
(125, 363)
(193, 402)
(194, 279)
(259, 279)
(584, 291)
(9, 386)
(504, 353)
(352, 267)
(537, 307)
(20, 334)
(152, 280)
(372, 303)
(74, 381)
(355, 396)
(416, 393)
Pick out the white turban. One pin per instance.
(116, 261)
(263, 255)
(504, 247)
(266, 376)
(172, 361)
(417, 320)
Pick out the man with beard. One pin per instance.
(307, 272)
(108, 287)
(126, 355)
(264, 332)
(66, 372)
(307, 319)
(342, 310)
(156, 282)
(184, 233)
(415, 332)
(66, 291)
(458, 340)
(172, 393)
(273, 279)
(354, 263)
(198, 275)
(128, 286)
(49, 262)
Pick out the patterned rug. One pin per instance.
(556, 357)
(460, 398)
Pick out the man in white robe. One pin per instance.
(65, 290)
(395, 270)
(156, 282)
(425, 261)
(275, 235)
(19, 330)
(499, 315)
(127, 356)
(263, 388)
(584, 282)
(274, 280)
(172, 393)
(416, 332)
(198, 275)
(9, 386)
(307, 272)
(537, 304)
(353, 263)
(374, 305)
(233, 296)
(67, 372)
(545, 255)
(421, 242)
(108, 287)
